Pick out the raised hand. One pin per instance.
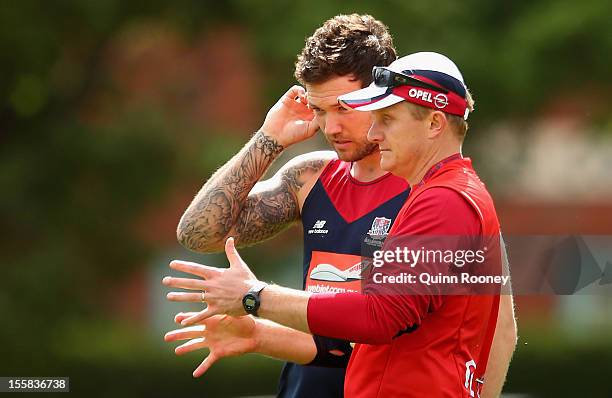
(221, 288)
(290, 120)
(223, 335)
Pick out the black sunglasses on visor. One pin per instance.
(384, 77)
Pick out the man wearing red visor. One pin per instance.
(415, 339)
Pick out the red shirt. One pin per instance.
(425, 344)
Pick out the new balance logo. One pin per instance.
(317, 228)
(319, 224)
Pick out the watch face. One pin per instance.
(249, 302)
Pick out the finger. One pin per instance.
(186, 297)
(300, 107)
(189, 267)
(303, 98)
(184, 283)
(200, 316)
(305, 112)
(232, 254)
(293, 93)
(205, 365)
(191, 345)
(182, 315)
(311, 128)
(187, 333)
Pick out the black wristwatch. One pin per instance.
(251, 301)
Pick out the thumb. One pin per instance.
(205, 365)
(312, 128)
(232, 254)
(199, 316)
(178, 318)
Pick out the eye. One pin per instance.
(318, 111)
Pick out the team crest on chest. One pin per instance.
(380, 226)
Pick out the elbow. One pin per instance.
(384, 332)
(375, 337)
(188, 237)
(183, 238)
(381, 335)
(379, 332)
(385, 321)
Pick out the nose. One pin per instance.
(375, 134)
(332, 123)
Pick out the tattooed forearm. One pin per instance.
(210, 216)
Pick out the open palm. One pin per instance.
(223, 335)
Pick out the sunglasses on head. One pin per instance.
(384, 77)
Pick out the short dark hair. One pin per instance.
(345, 45)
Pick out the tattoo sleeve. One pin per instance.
(224, 205)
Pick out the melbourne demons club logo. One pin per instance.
(380, 226)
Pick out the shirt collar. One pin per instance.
(437, 167)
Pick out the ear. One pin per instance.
(437, 123)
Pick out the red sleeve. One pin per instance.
(376, 318)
